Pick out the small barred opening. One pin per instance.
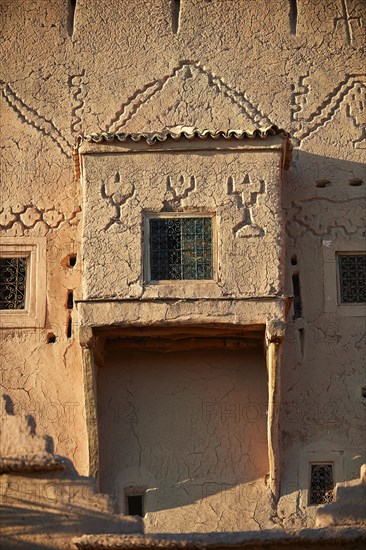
(13, 278)
(321, 483)
(352, 278)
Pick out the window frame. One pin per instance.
(332, 296)
(34, 312)
(134, 492)
(148, 215)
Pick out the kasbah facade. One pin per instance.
(182, 272)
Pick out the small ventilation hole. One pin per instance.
(72, 260)
(355, 182)
(297, 296)
(293, 260)
(69, 327)
(302, 341)
(71, 18)
(175, 9)
(70, 299)
(293, 16)
(322, 183)
(51, 338)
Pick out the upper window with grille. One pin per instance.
(352, 278)
(180, 248)
(13, 275)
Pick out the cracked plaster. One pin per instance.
(311, 82)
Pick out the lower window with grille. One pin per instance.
(321, 483)
(352, 278)
(180, 248)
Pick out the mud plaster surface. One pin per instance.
(223, 67)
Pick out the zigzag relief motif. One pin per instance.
(356, 106)
(77, 88)
(140, 97)
(37, 121)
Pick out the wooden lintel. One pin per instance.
(183, 331)
(166, 345)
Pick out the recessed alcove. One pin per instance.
(181, 412)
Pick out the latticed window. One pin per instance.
(13, 273)
(352, 278)
(321, 484)
(181, 248)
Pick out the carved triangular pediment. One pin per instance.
(190, 96)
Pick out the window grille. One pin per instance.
(181, 248)
(352, 278)
(13, 272)
(321, 484)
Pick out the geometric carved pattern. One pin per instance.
(190, 69)
(179, 189)
(350, 91)
(28, 217)
(321, 484)
(347, 21)
(247, 188)
(30, 116)
(117, 194)
(180, 248)
(13, 274)
(77, 88)
(352, 278)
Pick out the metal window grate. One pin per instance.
(321, 484)
(13, 272)
(181, 248)
(352, 278)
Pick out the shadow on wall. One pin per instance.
(26, 519)
(48, 511)
(43, 501)
(183, 428)
(323, 177)
(322, 411)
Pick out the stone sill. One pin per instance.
(345, 537)
(213, 313)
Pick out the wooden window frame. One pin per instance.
(147, 253)
(34, 312)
